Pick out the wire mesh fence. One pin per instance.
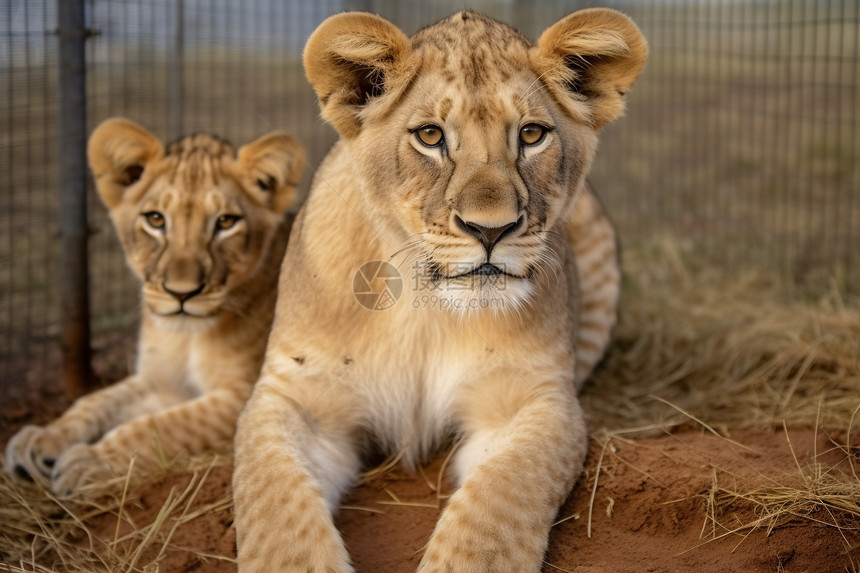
(741, 138)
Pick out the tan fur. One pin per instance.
(497, 364)
(208, 300)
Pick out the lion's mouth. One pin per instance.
(485, 269)
(183, 312)
(481, 271)
(188, 310)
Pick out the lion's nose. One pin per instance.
(488, 236)
(182, 294)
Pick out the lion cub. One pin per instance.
(460, 177)
(203, 227)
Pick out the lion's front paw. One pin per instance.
(32, 453)
(80, 466)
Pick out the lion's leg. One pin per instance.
(204, 424)
(33, 451)
(516, 466)
(294, 459)
(595, 247)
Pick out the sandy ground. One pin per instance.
(649, 511)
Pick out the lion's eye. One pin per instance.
(154, 219)
(225, 222)
(532, 134)
(430, 135)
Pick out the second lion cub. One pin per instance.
(202, 225)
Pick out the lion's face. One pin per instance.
(192, 237)
(472, 142)
(197, 220)
(476, 171)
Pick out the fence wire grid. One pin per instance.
(741, 137)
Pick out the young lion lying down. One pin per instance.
(462, 160)
(203, 227)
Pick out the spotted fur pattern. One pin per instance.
(462, 161)
(203, 227)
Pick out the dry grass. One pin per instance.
(733, 350)
(733, 353)
(817, 494)
(41, 533)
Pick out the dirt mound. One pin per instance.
(659, 505)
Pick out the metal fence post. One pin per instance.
(71, 154)
(175, 75)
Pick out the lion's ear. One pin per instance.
(353, 59)
(271, 168)
(591, 56)
(119, 151)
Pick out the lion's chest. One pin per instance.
(410, 410)
(411, 389)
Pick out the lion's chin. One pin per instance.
(473, 288)
(495, 293)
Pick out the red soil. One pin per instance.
(649, 512)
